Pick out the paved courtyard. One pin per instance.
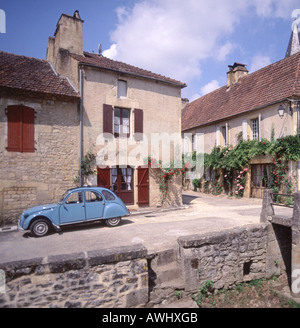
(156, 230)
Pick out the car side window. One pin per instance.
(92, 196)
(75, 198)
(108, 195)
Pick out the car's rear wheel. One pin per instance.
(113, 222)
(39, 228)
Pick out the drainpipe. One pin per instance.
(81, 123)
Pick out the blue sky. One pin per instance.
(193, 41)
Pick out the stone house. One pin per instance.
(121, 108)
(39, 128)
(247, 108)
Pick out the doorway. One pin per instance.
(260, 177)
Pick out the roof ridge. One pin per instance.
(23, 56)
(140, 71)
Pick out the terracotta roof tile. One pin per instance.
(30, 75)
(109, 64)
(268, 85)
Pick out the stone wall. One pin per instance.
(129, 277)
(234, 256)
(110, 278)
(30, 179)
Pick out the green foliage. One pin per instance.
(237, 158)
(204, 291)
(165, 173)
(88, 163)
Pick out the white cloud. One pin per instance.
(209, 87)
(224, 51)
(259, 61)
(171, 37)
(175, 37)
(275, 8)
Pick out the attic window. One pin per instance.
(122, 89)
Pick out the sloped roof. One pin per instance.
(21, 75)
(268, 85)
(113, 65)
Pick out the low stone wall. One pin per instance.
(129, 277)
(109, 278)
(231, 256)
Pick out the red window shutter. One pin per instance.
(14, 131)
(107, 119)
(103, 177)
(28, 130)
(143, 186)
(138, 123)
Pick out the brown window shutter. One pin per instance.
(138, 123)
(103, 177)
(107, 119)
(14, 131)
(28, 130)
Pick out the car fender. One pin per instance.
(113, 210)
(48, 214)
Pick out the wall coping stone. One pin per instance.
(74, 261)
(217, 237)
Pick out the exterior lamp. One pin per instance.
(281, 111)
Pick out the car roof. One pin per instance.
(88, 187)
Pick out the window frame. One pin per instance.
(121, 117)
(125, 88)
(255, 128)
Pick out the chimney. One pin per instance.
(68, 39)
(68, 36)
(235, 73)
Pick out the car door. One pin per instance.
(72, 208)
(94, 205)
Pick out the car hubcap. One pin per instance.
(114, 221)
(41, 228)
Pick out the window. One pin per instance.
(255, 129)
(225, 135)
(108, 195)
(91, 196)
(121, 121)
(121, 179)
(122, 89)
(117, 121)
(20, 132)
(74, 198)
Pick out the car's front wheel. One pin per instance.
(113, 222)
(39, 228)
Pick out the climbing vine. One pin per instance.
(166, 173)
(237, 159)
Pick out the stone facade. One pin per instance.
(40, 177)
(98, 78)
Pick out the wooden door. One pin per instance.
(260, 175)
(143, 186)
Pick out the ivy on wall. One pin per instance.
(237, 158)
